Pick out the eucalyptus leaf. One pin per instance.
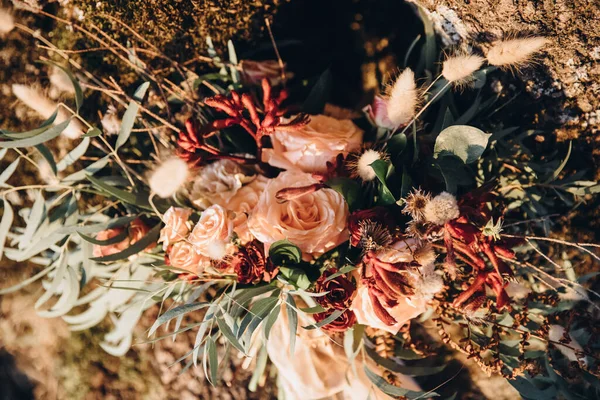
(47, 154)
(465, 142)
(76, 86)
(174, 313)
(73, 155)
(48, 134)
(130, 115)
(8, 171)
(213, 360)
(87, 171)
(290, 307)
(332, 317)
(5, 224)
(395, 391)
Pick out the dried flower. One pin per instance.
(402, 98)
(441, 209)
(459, 69)
(340, 324)
(379, 221)
(340, 291)
(418, 229)
(359, 164)
(251, 266)
(514, 52)
(7, 22)
(415, 204)
(424, 254)
(169, 177)
(111, 123)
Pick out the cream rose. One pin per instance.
(315, 222)
(212, 234)
(183, 256)
(242, 204)
(310, 147)
(176, 226)
(403, 312)
(218, 182)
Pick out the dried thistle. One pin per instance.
(441, 209)
(415, 204)
(373, 235)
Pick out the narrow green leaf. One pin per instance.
(343, 271)
(130, 115)
(271, 319)
(334, 315)
(412, 370)
(395, 391)
(313, 310)
(259, 369)
(8, 171)
(117, 239)
(174, 313)
(227, 332)
(213, 360)
(34, 132)
(76, 86)
(35, 140)
(92, 132)
(73, 155)
(87, 171)
(150, 238)
(562, 165)
(290, 307)
(138, 200)
(5, 224)
(47, 154)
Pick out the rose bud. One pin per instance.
(340, 291)
(251, 265)
(340, 324)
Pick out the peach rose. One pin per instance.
(218, 182)
(315, 222)
(102, 251)
(310, 147)
(212, 234)
(137, 230)
(183, 256)
(242, 204)
(403, 312)
(176, 226)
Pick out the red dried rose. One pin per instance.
(251, 265)
(340, 291)
(340, 324)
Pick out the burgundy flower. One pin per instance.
(340, 324)
(340, 291)
(251, 265)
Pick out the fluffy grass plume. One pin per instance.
(7, 23)
(402, 98)
(459, 69)
(169, 177)
(34, 98)
(515, 52)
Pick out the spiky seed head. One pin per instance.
(417, 229)
(459, 69)
(441, 209)
(424, 254)
(415, 204)
(402, 98)
(359, 164)
(515, 52)
(373, 235)
(169, 177)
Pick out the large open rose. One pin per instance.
(315, 222)
(310, 147)
(176, 226)
(182, 255)
(212, 233)
(242, 204)
(218, 183)
(403, 312)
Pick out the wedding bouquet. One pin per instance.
(310, 235)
